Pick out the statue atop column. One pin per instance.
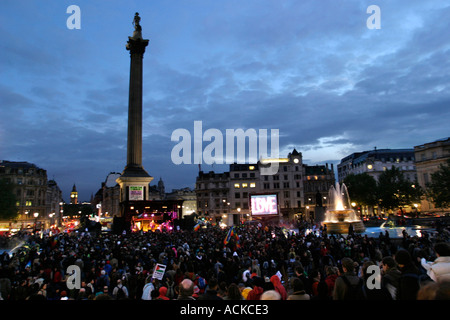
(137, 34)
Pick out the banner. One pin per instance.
(136, 193)
(159, 271)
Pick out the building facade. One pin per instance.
(429, 157)
(375, 162)
(225, 197)
(318, 180)
(37, 198)
(212, 192)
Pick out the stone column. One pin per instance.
(134, 146)
(134, 180)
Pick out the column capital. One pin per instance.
(136, 45)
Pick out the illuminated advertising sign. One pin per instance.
(264, 204)
(136, 193)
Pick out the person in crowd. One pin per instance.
(370, 278)
(278, 286)
(348, 284)
(409, 282)
(120, 292)
(211, 291)
(162, 294)
(257, 291)
(298, 289)
(186, 290)
(270, 295)
(439, 269)
(233, 293)
(390, 276)
(41, 262)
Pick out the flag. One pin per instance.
(196, 227)
(238, 244)
(230, 234)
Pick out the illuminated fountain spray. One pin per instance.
(339, 215)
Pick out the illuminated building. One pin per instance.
(376, 161)
(37, 198)
(74, 195)
(226, 196)
(429, 157)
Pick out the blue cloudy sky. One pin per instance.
(311, 69)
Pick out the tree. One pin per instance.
(8, 208)
(439, 187)
(362, 188)
(395, 191)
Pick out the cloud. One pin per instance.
(310, 69)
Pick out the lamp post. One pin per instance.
(36, 215)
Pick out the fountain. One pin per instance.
(339, 215)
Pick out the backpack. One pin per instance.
(120, 293)
(353, 292)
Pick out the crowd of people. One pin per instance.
(260, 263)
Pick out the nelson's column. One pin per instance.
(134, 180)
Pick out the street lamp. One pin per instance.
(36, 215)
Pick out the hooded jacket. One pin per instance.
(278, 287)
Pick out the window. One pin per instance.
(244, 185)
(276, 185)
(286, 194)
(286, 177)
(29, 203)
(236, 186)
(286, 185)
(251, 168)
(266, 185)
(244, 175)
(252, 185)
(237, 195)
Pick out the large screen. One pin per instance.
(264, 204)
